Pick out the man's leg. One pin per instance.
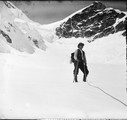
(87, 71)
(76, 69)
(83, 69)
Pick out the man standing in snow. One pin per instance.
(80, 62)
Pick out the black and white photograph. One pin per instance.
(63, 59)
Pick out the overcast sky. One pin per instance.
(46, 12)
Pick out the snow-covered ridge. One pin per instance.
(17, 30)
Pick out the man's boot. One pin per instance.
(75, 78)
(84, 78)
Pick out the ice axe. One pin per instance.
(84, 77)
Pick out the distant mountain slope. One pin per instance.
(17, 31)
(94, 21)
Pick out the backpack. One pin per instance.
(72, 58)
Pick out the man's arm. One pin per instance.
(85, 61)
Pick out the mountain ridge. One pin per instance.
(87, 21)
(25, 35)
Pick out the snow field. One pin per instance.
(36, 89)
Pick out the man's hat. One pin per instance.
(80, 44)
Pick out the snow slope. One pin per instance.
(40, 85)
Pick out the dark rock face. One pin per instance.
(8, 39)
(9, 5)
(121, 26)
(94, 21)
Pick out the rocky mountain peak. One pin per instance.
(94, 21)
